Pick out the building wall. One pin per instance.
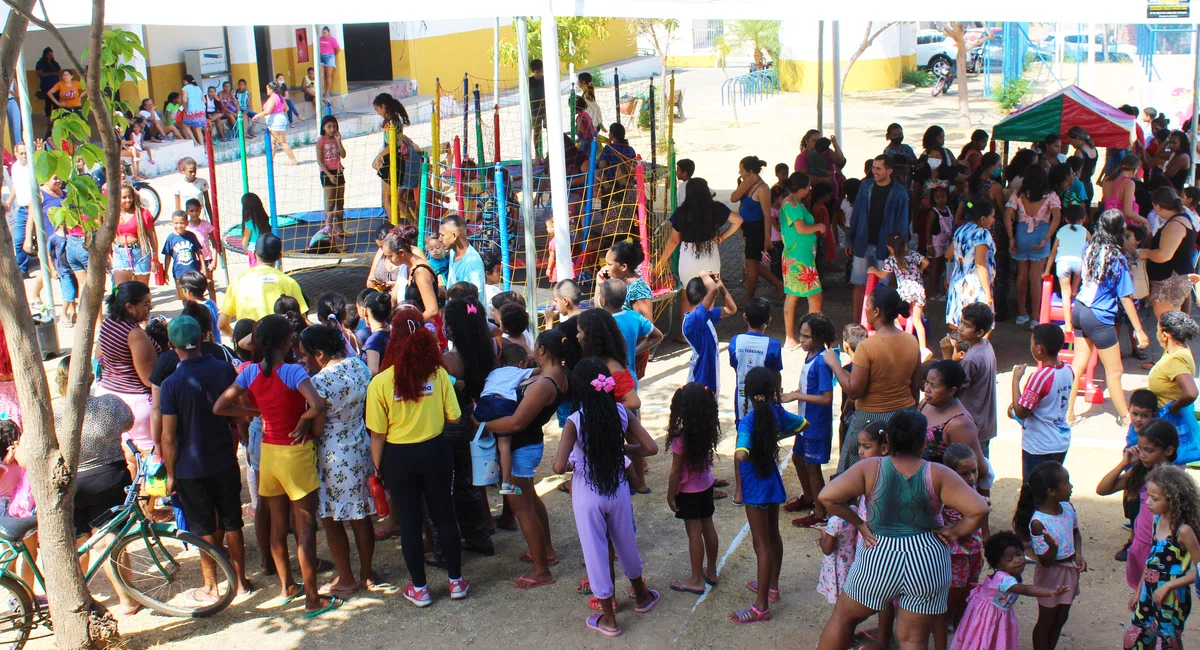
(165, 46)
(880, 67)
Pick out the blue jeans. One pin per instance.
(14, 119)
(291, 110)
(76, 254)
(1030, 461)
(16, 223)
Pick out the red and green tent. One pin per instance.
(1057, 113)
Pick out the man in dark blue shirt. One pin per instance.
(199, 451)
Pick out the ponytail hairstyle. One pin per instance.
(1080, 133)
(989, 159)
(1041, 480)
(324, 338)
(414, 351)
(117, 302)
(379, 306)
(601, 433)
(272, 337)
(1019, 163)
(899, 251)
(889, 303)
(393, 111)
(753, 164)
(1164, 196)
(616, 133)
(466, 327)
(331, 309)
(554, 343)
(762, 394)
(695, 421)
(978, 209)
(1161, 434)
(400, 239)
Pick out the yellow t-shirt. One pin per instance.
(254, 293)
(1163, 374)
(407, 422)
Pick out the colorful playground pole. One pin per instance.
(502, 215)
(466, 108)
(393, 195)
(270, 153)
(212, 184)
(571, 110)
(527, 183)
(617, 93)
(435, 124)
(35, 207)
(671, 145)
(496, 86)
(653, 141)
(422, 201)
(496, 131)
(480, 161)
(318, 91)
(643, 228)
(241, 131)
(589, 193)
(458, 182)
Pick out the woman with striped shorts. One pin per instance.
(902, 548)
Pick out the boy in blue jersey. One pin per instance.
(748, 351)
(700, 327)
(815, 395)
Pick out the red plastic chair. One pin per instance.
(1052, 312)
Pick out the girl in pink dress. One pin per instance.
(990, 622)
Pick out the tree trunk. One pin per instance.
(51, 456)
(964, 106)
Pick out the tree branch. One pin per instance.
(49, 27)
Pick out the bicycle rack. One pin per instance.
(750, 87)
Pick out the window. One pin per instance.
(705, 34)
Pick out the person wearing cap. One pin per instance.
(253, 294)
(199, 453)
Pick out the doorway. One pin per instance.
(368, 49)
(262, 54)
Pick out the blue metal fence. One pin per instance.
(749, 87)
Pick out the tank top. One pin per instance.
(1181, 261)
(119, 374)
(1087, 172)
(532, 433)
(749, 208)
(900, 506)
(129, 227)
(412, 292)
(935, 440)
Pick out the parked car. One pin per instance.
(935, 51)
(1075, 45)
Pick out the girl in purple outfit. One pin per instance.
(594, 442)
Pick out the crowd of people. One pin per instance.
(394, 383)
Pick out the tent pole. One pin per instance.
(527, 182)
(35, 200)
(1091, 62)
(555, 150)
(1195, 100)
(821, 76)
(837, 81)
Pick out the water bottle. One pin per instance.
(379, 496)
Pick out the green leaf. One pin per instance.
(44, 165)
(91, 154)
(62, 165)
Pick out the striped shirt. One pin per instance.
(1046, 393)
(118, 373)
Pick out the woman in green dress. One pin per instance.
(800, 277)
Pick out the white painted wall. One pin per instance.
(425, 28)
(166, 44)
(37, 40)
(799, 40)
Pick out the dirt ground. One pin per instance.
(496, 615)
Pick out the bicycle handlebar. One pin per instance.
(131, 492)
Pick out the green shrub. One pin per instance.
(917, 77)
(1012, 94)
(599, 79)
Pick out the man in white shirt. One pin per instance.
(16, 205)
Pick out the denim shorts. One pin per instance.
(858, 272)
(1065, 266)
(329, 60)
(130, 258)
(77, 255)
(525, 460)
(1027, 250)
(66, 284)
(277, 122)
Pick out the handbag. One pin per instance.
(1141, 284)
(1188, 429)
(485, 459)
(160, 276)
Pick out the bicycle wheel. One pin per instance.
(161, 569)
(150, 200)
(16, 613)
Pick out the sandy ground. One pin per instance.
(495, 615)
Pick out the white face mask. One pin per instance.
(934, 163)
(1062, 158)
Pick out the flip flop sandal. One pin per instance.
(720, 494)
(194, 596)
(678, 586)
(773, 595)
(594, 603)
(709, 582)
(330, 590)
(645, 609)
(528, 558)
(749, 615)
(381, 534)
(584, 587)
(720, 483)
(593, 623)
(289, 599)
(334, 603)
(524, 583)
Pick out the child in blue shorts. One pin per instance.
(815, 395)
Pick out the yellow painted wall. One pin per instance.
(620, 44)
(249, 72)
(163, 80)
(402, 67)
(692, 61)
(868, 74)
(448, 56)
(135, 91)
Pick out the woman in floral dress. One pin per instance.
(343, 454)
(800, 277)
(974, 264)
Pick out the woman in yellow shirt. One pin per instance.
(406, 412)
(1172, 379)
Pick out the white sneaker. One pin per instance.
(1021, 320)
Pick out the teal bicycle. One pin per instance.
(158, 565)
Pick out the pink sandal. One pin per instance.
(749, 615)
(593, 623)
(773, 595)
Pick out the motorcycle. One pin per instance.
(943, 82)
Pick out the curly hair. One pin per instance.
(1178, 326)
(467, 329)
(998, 544)
(1179, 490)
(1105, 255)
(601, 336)
(820, 328)
(694, 419)
(413, 348)
(601, 434)
(762, 393)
